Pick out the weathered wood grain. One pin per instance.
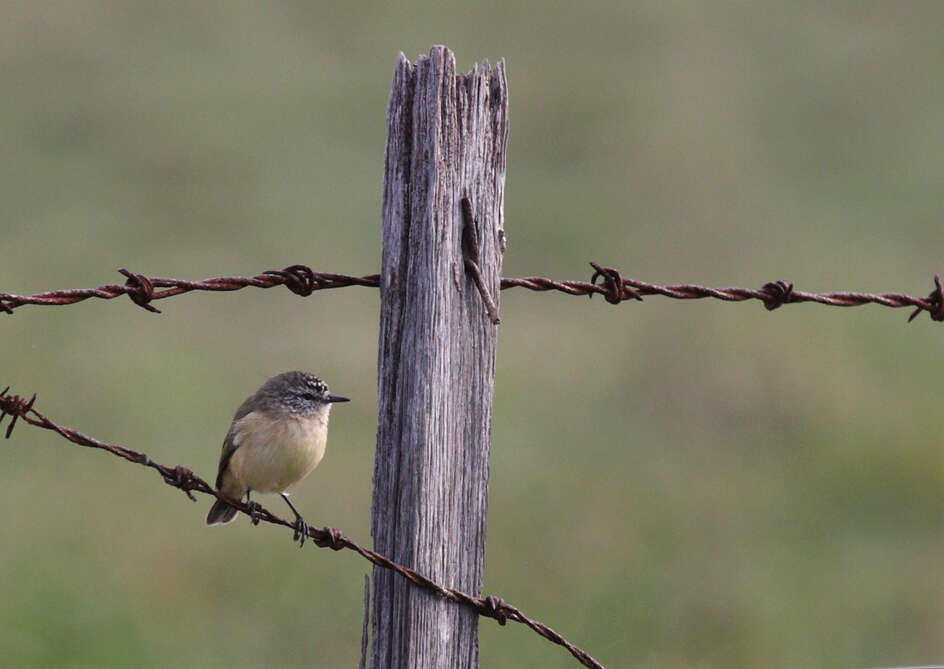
(446, 137)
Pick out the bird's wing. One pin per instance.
(229, 443)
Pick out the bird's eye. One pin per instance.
(308, 396)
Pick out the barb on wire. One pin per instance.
(614, 288)
(329, 537)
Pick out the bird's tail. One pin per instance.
(220, 513)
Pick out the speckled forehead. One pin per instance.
(296, 383)
(315, 384)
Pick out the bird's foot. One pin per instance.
(254, 509)
(301, 531)
(301, 527)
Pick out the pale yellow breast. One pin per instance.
(272, 453)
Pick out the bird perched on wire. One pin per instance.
(276, 439)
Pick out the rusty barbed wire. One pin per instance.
(299, 279)
(605, 281)
(329, 537)
(614, 288)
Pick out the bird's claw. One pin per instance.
(301, 531)
(254, 509)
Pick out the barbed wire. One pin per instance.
(774, 294)
(299, 279)
(605, 281)
(329, 537)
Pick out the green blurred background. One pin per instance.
(673, 484)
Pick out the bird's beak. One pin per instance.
(336, 398)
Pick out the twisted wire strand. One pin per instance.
(300, 279)
(605, 281)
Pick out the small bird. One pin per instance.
(276, 439)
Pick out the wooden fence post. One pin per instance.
(446, 136)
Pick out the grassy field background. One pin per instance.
(673, 484)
